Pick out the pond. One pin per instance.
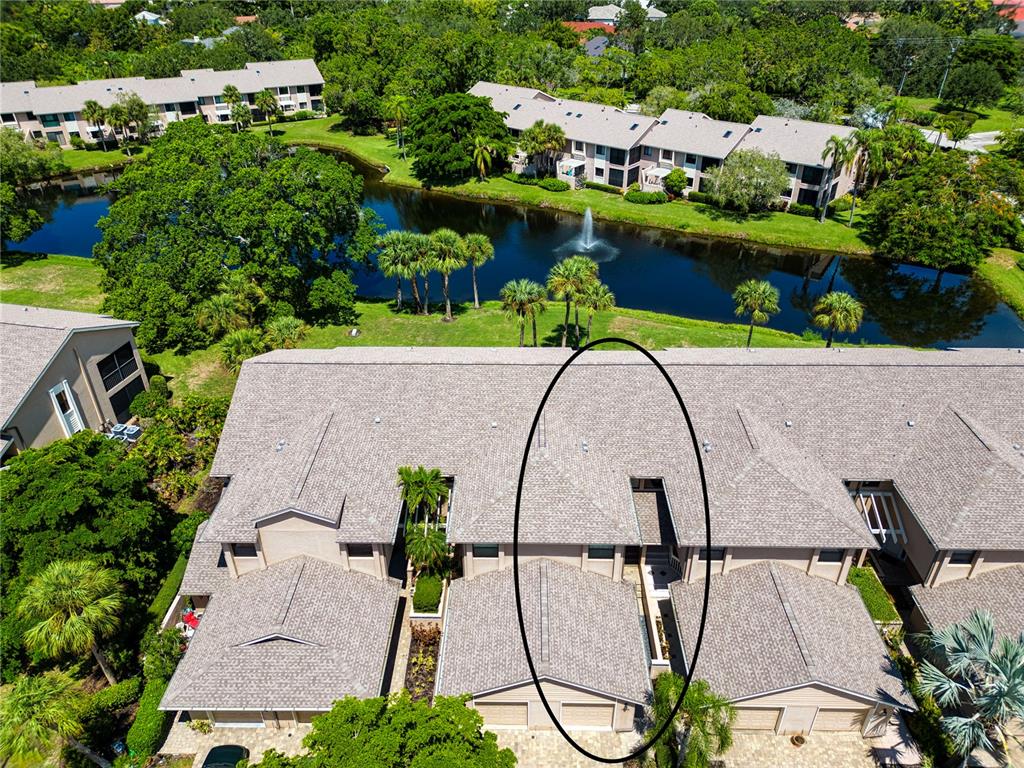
(646, 268)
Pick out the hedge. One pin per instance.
(147, 733)
(700, 197)
(427, 596)
(184, 533)
(646, 198)
(165, 597)
(926, 723)
(113, 698)
(875, 598)
(602, 187)
(553, 185)
(518, 178)
(801, 209)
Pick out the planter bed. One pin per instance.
(421, 670)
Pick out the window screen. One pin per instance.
(600, 551)
(117, 367)
(485, 550)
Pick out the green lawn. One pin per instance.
(1004, 270)
(62, 282)
(989, 118)
(875, 598)
(89, 159)
(771, 229)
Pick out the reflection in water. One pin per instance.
(655, 269)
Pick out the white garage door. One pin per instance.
(238, 719)
(840, 719)
(503, 713)
(588, 716)
(760, 719)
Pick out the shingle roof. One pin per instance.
(298, 635)
(769, 484)
(696, 133)
(795, 141)
(204, 574)
(584, 630)
(1000, 592)
(27, 97)
(581, 120)
(770, 627)
(29, 338)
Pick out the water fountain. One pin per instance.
(586, 244)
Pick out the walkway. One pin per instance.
(547, 749)
(182, 740)
(398, 659)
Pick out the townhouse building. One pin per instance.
(611, 146)
(63, 372)
(803, 450)
(54, 113)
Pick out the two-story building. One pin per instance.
(62, 372)
(54, 113)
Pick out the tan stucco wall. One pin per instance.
(802, 704)
(737, 557)
(557, 695)
(984, 561)
(572, 554)
(291, 535)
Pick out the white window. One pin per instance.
(66, 408)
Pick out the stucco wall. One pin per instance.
(291, 535)
(572, 554)
(557, 695)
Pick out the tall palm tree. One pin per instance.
(702, 728)
(423, 490)
(119, 120)
(482, 155)
(839, 153)
(449, 255)
(584, 271)
(398, 110)
(395, 260)
(567, 281)
(267, 103)
(96, 113)
(38, 714)
(596, 298)
(423, 263)
(757, 298)
(479, 250)
(219, 315)
(75, 603)
(232, 97)
(971, 671)
(838, 311)
(523, 300)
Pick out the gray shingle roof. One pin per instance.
(795, 141)
(1000, 592)
(696, 133)
(29, 338)
(769, 484)
(298, 635)
(584, 630)
(770, 627)
(203, 575)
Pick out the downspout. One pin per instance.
(89, 387)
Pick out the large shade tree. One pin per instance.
(748, 181)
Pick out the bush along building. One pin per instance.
(55, 112)
(608, 145)
(297, 573)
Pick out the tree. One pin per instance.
(443, 131)
(395, 259)
(233, 98)
(397, 108)
(449, 255)
(543, 140)
(119, 120)
(74, 604)
(957, 130)
(482, 156)
(423, 260)
(981, 677)
(22, 162)
(241, 116)
(701, 730)
(748, 181)
(839, 153)
(479, 250)
(135, 112)
(423, 490)
(566, 282)
(267, 103)
(890, 152)
(1011, 143)
(397, 732)
(18, 219)
(732, 101)
(837, 311)
(597, 297)
(426, 547)
(38, 714)
(972, 85)
(676, 182)
(219, 315)
(96, 113)
(332, 299)
(523, 300)
(757, 299)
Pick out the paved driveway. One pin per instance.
(766, 750)
(547, 749)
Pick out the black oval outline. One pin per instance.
(515, 553)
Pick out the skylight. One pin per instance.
(517, 106)
(634, 126)
(664, 122)
(727, 134)
(757, 130)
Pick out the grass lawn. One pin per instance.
(1004, 271)
(88, 159)
(875, 598)
(771, 229)
(61, 282)
(989, 118)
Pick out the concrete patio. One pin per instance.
(182, 740)
(547, 749)
(767, 750)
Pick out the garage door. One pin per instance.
(238, 719)
(503, 713)
(749, 719)
(588, 716)
(840, 719)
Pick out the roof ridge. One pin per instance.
(314, 450)
(794, 624)
(282, 616)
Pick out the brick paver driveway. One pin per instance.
(766, 750)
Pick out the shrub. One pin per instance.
(78, 142)
(427, 596)
(875, 598)
(676, 182)
(150, 727)
(158, 386)
(162, 650)
(200, 726)
(146, 404)
(113, 698)
(634, 187)
(646, 198)
(184, 532)
(602, 187)
(801, 209)
(924, 117)
(700, 197)
(165, 597)
(332, 300)
(553, 185)
(176, 485)
(519, 178)
(304, 114)
(810, 334)
(926, 723)
(841, 204)
(285, 332)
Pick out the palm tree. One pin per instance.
(584, 271)
(544, 140)
(219, 315)
(838, 153)
(521, 300)
(423, 490)
(838, 311)
(119, 119)
(702, 728)
(37, 711)
(395, 260)
(238, 346)
(233, 97)
(95, 113)
(757, 298)
(241, 116)
(449, 255)
(479, 250)
(596, 298)
(482, 155)
(427, 548)
(398, 110)
(75, 603)
(267, 103)
(957, 131)
(285, 332)
(977, 674)
(423, 263)
(567, 281)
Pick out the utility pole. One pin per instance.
(908, 63)
(953, 45)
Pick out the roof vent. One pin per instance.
(584, 446)
(707, 446)
(757, 130)
(517, 106)
(664, 122)
(634, 126)
(569, 113)
(376, 419)
(494, 425)
(1016, 446)
(579, 114)
(910, 422)
(789, 423)
(280, 446)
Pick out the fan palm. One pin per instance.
(523, 300)
(566, 282)
(119, 119)
(584, 271)
(978, 674)
(238, 346)
(232, 97)
(74, 604)
(219, 314)
(838, 311)
(596, 298)
(757, 298)
(267, 103)
(423, 262)
(483, 155)
(37, 714)
(397, 108)
(701, 729)
(839, 153)
(423, 490)
(479, 250)
(95, 113)
(449, 255)
(285, 332)
(396, 260)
